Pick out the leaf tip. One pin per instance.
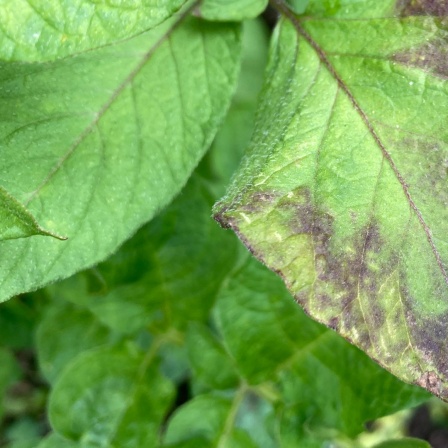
(44, 232)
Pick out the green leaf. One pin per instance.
(208, 417)
(234, 134)
(48, 29)
(18, 318)
(115, 133)
(404, 443)
(152, 281)
(16, 221)
(227, 10)
(343, 189)
(111, 396)
(321, 381)
(9, 373)
(298, 6)
(210, 363)
(56, 441)
(65, 332)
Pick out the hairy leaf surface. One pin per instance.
(343, 191)
(224, 10)
(16, 221)
(36, 30)
(100, 142)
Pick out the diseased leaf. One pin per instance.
(100, 142)
(111, 396)
(33, 30)
(343, 191)
(225, 10)
(16, 221)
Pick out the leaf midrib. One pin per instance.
(115, 94)
(282, 8)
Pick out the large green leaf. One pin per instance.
(100, 142)
(47, 29)
(343, 191)
(111, 396)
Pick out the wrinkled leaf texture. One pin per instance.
(98, 143)
(343, 191)
(38, 30)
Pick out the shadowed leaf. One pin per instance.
(105, 393)
(226, 10)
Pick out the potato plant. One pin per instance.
(316, 300)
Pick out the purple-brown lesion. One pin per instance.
(422, 7)
(432, 57)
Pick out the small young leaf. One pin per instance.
(38, 30)
(343, 189)
(16, 221)
(115, 133)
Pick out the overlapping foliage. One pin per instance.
(162, 329)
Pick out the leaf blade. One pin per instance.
(329, 181)
(114, 125)
(16, 221)
(44, 30)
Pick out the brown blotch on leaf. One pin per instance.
(430, 336)
(339, 274)
(422, 7)
(432, 57)
(430, 381)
